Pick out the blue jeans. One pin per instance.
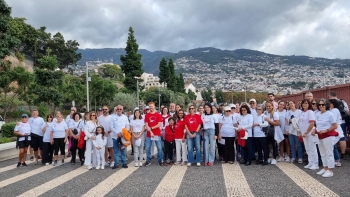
(191, 142)
(159, 149)
(116, 149)
(343, 127)
(209, 151)
(294, 141)
(336, 153)
(248, 149)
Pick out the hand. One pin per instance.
(119, 135)
(313, 133)
(266, 119)
(51, 141)
(235, 125)
(240, 129)
(183, 140)
(305, 134)
(220, 137)
(215, 137)
(149, 129)
(65, 140)
(323, 131)
(287, 133)
(93, 137)
(136, 137)
(152, 135)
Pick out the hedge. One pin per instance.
(4, 140)
(8, 129)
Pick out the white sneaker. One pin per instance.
(269, 160)
(300, 160)
(314, 167)
(112, 164)
(337, 164)
(140, 164)
(136, 164)
(292, 160)
(273, 162)
(98, 167)
(106, 164)
(308, 166)
(89, 167)
(198, 164)
(321, 172)
(327, 174)
(287, 159)
(280, 159)
(188, 164)
(102, 167)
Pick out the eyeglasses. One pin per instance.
(119, 109)
(191, 108)
(105, 109)
(244, 110)
(258, 109)
(314, 103)
(233, 108)
(321, 104)
(228, 111)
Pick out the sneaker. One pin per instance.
(69, 155)
(54, 163)
(280, 159)
(112, 165)
(337, 164)
(177, 163)
(62, 162)
(160, 163)
(269, 160)
(140, 164)
(31, 158)
(210, 164)
(107, 164)
(115, 166)
(300, 160)
(36, 162)
(98, 167)
(327, 174)
(148, 163)
(102, 167)
(314, 167)
(308, 166)
(18, 164)
(287, 159)
(292, 160)
(136, 164)
(273, 162)
(46, 164)
(188, 164)
(198, 164)
(89, 167)
(183, 163)
(321, 172)
(124, 166)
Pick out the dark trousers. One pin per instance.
(47, 152)
(248, 150)
(272, 141)
(220, 147)
(168, 150)
(74, 149)
(261, 146)
(59, 145)
(228, 149)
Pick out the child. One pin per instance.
(100, 144)
(169, 140)
(125, 140)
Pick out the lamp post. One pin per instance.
(159, 98)
(137, 91)
(87, 87)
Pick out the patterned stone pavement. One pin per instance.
(285, 179)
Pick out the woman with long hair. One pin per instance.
(47, 151)
(137, 127)
(246, 123)
(90, 134)
(284, 143)
(193, 124)
(293, 133)
(333, 107)
(209, 120)
(228, 134)
(260, 137)
(217, 115)
(75, 128)
(273, 119)
(180, 138)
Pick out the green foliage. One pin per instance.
(74, 89)
(127, 100)
(180, 83)
(191, 95)
(7, 41)
(8, 129)
(48, 61)
(19, 56)
(153, 95)
(102, 91)
(220, 96)
(43, 110)
(4, 140)
(111, 71)
(207, 95)
(172, 80)
(131, 62)
(163, 72)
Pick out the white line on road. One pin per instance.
(235, 182)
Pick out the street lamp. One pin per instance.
(87, 87)
(159, 98)
(137, 91)
(245, 93)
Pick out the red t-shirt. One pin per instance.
(193, 121)
(169, 134)
(153, 120)
(179, 129)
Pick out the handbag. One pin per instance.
(81, 141)
(269, 130)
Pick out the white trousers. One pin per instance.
(100, 155)
(88, 154)
(311, 150)
(326, 151)
(138, 150)
(181, 147)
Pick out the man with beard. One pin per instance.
(105, 121)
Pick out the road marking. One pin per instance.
(235, 182)
(112, 181)
(14, 166)
(54, 183)
(305, 181)
(171, 182)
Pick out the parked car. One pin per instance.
(2, 122)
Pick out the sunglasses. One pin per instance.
(105, 109)
(233, 108)
(191, 108)
(228, 111)
(147, 109)
(93, 115)
(314, 103)
(321, 104)
(244, 110)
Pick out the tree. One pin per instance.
(172, 79)
(132, 65)
(192, 96)
(102, 91)
(7, 41)
(180, 83)
(74, 89)
(48, 61)
(111, 71)
(207, 95)
(14, 81)
(127, 100)
(163, 72)
(220, 96)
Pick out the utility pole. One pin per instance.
(87, 87)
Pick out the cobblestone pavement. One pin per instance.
(285, 179)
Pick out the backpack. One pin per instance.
(341, 109)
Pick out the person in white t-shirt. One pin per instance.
(209, 120)
(47, 151)
(333, 107)
(59, 136)
(22, 130)
(283, 123)
(293, 136)
(217, 115)
(90, 135)
(260, 136)
(105, 121)
(228, 134)
(75, 128)
(273, 119)
(100, 143)
(246, 123)
(70, 119)
(36, 143)
(137, 128)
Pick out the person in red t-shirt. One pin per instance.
(180, 138)
(193, 124)
(153, 121)
(169, 138)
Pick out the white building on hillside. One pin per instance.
(151, 81)
(191, 87)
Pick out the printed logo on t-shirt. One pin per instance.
(152, 119)
(192, 120)
(206, 120)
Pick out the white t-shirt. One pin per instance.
(59, 129)
(295, 114)
(304, 120)
(209, 121)
(246, 123)
(339, 120)
(137, 125)
(324, 120)
(76, 125)
(118, 123)
(283, 116)
(69, 120)
(24, 129)
(257, 129)
(253, 112)
(276, 116)
(227, 128)
(48, 130)
(105, 121)
(36, 125)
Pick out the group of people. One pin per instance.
(269, 133)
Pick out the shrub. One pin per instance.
(19, 56)
(7, 130)
(4, 140)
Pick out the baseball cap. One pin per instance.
(227, 108)
(136, 108)
(25, 115)
(252, 100)
(99, 109)
(232, 106)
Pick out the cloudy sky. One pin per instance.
(318, 28)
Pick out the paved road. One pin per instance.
(285, 179)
